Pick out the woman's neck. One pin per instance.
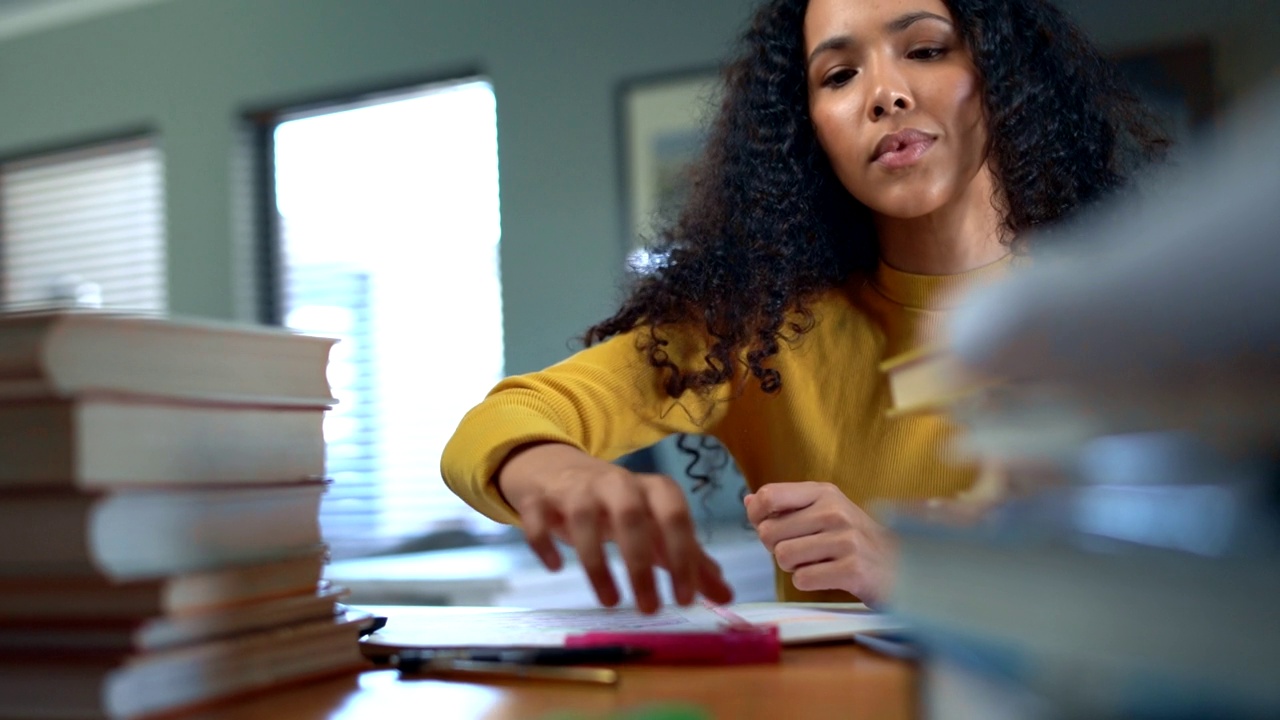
(957, 237)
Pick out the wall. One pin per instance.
(191, 68)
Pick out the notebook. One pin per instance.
(443, 627)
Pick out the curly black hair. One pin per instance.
(767, 225)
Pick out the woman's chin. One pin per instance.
(904, 209)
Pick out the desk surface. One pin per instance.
(835, 681)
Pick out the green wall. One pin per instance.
(190, 69)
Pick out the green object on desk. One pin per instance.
(665, 711)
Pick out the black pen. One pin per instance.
(372, 625)
(412, 660)
(474, 669)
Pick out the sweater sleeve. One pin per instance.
(606, 400)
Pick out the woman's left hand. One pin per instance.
(823, 539)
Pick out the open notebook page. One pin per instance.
(798, 623)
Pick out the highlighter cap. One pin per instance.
(732, 646)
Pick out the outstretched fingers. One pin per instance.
(676, 536)
(711, 582)
(536, 521)
(646, 515)
(582, 523)
(634, 533)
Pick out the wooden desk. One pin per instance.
(835, 682)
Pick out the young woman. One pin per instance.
(870, 158)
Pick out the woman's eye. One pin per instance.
(926, 53)
(838, 77)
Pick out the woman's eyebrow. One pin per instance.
(893, 27)
(839, 42)
(901, 23)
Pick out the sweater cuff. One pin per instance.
(487, 430)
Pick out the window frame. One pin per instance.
(260, 124)
(270, 282)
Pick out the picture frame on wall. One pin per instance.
(664, 122)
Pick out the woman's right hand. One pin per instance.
(560, 491)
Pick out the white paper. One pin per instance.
(797, 623)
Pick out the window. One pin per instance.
(84, 227)
(388, 231)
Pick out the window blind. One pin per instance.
(85, 226)
(388, 229)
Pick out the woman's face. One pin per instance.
(896, 102)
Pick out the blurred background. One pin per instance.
(456, 189)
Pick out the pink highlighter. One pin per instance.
(735, 645)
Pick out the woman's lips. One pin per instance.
(902, 149)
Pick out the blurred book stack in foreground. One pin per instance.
(1132, 566)
(160, 484)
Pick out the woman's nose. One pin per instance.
(890, 104)
(890, 93)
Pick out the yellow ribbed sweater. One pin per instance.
(827, 423)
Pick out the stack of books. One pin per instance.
(160, 484)
(930, 379)
(1121, 594)
(1131, 567)
(1090, 571)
